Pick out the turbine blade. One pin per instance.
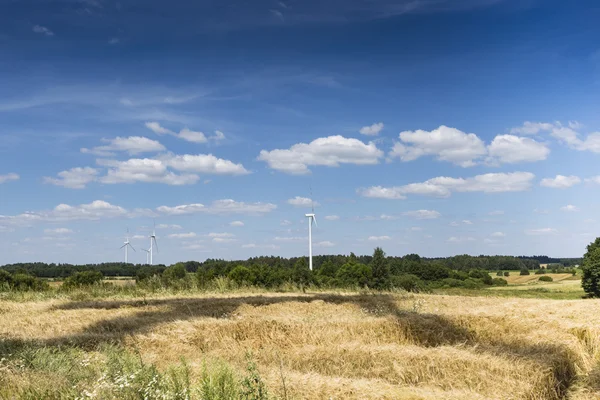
(123, 246)
(131, 246)
(155, 244)
(314, 218)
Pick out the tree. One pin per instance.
(590, 281)
(381, 270)
(242, 275)
(354, 273)
(174, 273)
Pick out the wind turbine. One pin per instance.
(153, 243)
(147, 256)
(127, 245)
(311, 218)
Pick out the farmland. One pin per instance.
(313, 345)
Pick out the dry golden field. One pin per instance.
(312, 346)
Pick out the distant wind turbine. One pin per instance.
(127, 245)
(153, 244)
(312, 218)
(147, 256)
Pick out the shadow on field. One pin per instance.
(423, 329)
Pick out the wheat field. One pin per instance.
(313, 346)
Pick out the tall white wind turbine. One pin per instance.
(147, 256)
(127, 245)
(312, 218)
(153, 244)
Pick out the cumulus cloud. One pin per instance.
(188, 235)
(325, 243)
(332, 217)
(378, 238)
(372, 130)
(541, 231)
(328, 151)
(43, 30)
(560, 181)
(226, 206)
(143, 170)
(444, 186)
(444, 143)
(531, 128)
(204, 164)
(167, 226)
(58, 231)
(75, 178)
(460, 239)
(63, 212)
(569, 135)
(569, 208)
(8, 178)
(593, 179)
(236, 223)
(185, 133)
(132, 145)
(302, 202)
(510, 149)
(422, 214)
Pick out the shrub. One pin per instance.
(85, 278)
(500, 273)
(354, 273)
(174, 273)
(540, 271)
(23, 281)
(506, 273)
(408, 282)
(242, 275)
(451, 282)
(473, 284)
(499, 282)
(524, 271)
(590, 280)
(545, 278)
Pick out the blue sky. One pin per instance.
(434, 127)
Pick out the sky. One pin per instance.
(436, 127)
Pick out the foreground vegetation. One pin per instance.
(300, 346)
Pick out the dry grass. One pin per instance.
(339, 345)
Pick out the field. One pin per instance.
(304, 346)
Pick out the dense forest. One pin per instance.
(456, 263)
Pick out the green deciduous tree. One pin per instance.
(590, 281)
(381, 270)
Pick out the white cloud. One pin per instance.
(63, 212)
(114, 40)
(328, 151)
(569, 208)
(378, 238)
(467, 222)
(226, 206)
(43, 30)
(143, 170)
(325, 243)
(167, 226)
(387, 217)
(568, 135)
(332, 217)
(138, 237)
(185, 133)
(510, 149)
(460, 239)
(496, 212)
(422, 214)
(302, 202)
(446, 144)
(289, 239)
(220, 235)
(223, 240)
(531, 128)
(204, 164)
(132, 145)
(236, 223)
(560, 182)
(218, 136)
(542, 231)
(263, 246)
(444, 186)
(182, 235)
(593, 179)
(372, 130)
(58, 231)
(75, 178)
(9, 177)
(416, 229)
(498, 235)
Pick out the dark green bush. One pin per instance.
(473, 283)
(499, 282)
(499, 273)
(545, 278)
(452, 283)
(524, 271)
(174, 273)
(506, 273)
(408, 282)
(85, 278)
(540, 271)
(242, 275)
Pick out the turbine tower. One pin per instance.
(147, 256)
(153, 244)
(312, 218)
(127, 245)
